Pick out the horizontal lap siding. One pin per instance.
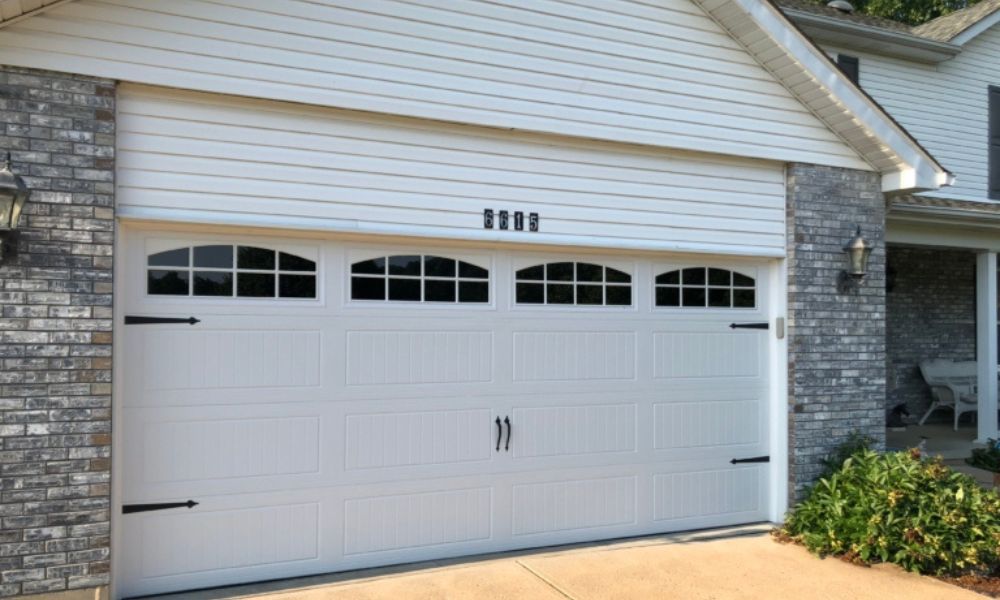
(661, 75)
(205, 153)
(944, 106)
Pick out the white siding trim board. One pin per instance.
(235, 161)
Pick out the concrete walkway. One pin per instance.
(748, 567)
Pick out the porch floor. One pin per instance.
(940, 439)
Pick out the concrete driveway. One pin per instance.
(743, 567)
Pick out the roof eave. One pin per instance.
(874, 39)
(973, 31)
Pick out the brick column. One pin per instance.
(55, 335)
(836, 339)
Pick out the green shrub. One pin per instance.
(986, 458)
(898, 508)
(855, 443)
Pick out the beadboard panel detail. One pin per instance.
(218, 158)
(183, 360)
(401, 439)
(705, 493)
(574, 430)
(661, 74)
(572, 355)
(704, 354)
(409, 357)
(417, 520)
(231, 539)
(560, 506)
(198, 450)
(706, 424)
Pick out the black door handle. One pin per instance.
(507, 421)
(499, 433)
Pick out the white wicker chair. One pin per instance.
(953, 385)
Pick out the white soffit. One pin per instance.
(813, 78)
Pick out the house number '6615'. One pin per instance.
(501, 220)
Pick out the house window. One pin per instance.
(851, 66)
(705, 287)
(573, 283)
(419, 278)
(229, 270)
(994, 143)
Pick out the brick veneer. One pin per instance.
(55, 335)
(931, 302)
(836, 340)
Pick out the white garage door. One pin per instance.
(343, 405)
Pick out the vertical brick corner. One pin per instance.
(836, 339)
(55, 335)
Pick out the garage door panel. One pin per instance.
(399, 357)
(566, 506)
(228, 539)
(555, 431)
(707, 424)
(710, 353)
(734, 492)
(548, 355)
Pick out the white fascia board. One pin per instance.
(921, 171)
(981, 26)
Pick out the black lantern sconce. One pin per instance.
(857, 251)
(13, 194)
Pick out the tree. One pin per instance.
(911, 12)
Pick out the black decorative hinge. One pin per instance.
(755, 459)
(135, 508)
(749, 326)
(133, 320)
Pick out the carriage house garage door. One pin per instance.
(344, 405)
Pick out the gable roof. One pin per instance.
(951, 26)
(954, 28)
(758, 26)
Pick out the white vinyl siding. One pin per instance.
(944, 106)
(211, 158)
(662, 75)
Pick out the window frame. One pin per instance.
(752, 272)
(525, 261)
(155, 245)
(482, 260)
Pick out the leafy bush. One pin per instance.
(986, 458)
(898, 508)
(855, 443)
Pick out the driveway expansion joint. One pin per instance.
(546, 581)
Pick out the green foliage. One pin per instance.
(987, 458)
(854, 444)
(911, 12)
(898, 508)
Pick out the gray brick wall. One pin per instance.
(55, 335)
(931, 305)
(836, 340)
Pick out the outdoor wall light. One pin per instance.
(857, 251)
(13, 194)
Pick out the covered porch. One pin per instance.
(941, 305)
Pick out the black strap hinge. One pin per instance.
(134, 320)
(135, 508)
(755, 459)
(749, 326)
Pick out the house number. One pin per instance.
(502, 219)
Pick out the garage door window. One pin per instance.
(573, 283)
(230, 270)
(419, 278)
(705, 287)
